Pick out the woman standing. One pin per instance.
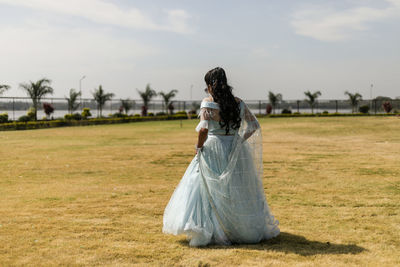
(220, 198)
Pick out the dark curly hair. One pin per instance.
(222, 94)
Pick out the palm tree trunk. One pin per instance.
(35, 104)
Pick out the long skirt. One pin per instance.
(220, 198)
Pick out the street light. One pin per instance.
(371, 90)
(370, 94)
(80, 88)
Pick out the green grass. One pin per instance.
(95, 195)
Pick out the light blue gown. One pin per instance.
(220, 198)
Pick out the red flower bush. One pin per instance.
(48, 108)
(387, 106)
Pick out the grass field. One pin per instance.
(95, 195)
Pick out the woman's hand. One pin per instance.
(197, 149)
(202, 138)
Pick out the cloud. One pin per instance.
(327, 24)
(177, 20)
(63, 54)
(31, 52)
(104, 12)
(48, 44)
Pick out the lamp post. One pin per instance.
(371, 90)
(370, 94)
(80, 88)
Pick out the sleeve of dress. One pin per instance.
(205, 115)
(252, 122)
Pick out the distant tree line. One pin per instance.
(38, 90)
(41, 88)
(311, 99)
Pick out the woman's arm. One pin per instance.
(248, 134)
(252, 123)
(202, 138)
(205, 115)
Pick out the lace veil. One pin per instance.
(248, 137)
(237, 195)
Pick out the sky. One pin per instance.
(283, 46)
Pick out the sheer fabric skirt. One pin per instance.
(220, 203)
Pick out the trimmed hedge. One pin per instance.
(97, 121)
(29, 125)
(325, 115)
(3, 118)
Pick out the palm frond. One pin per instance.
(72, 100)
(147, 94)
(37, 90)
(3, 88)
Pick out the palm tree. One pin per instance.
(72, 100)
(37, 90)
(354, 99)
(101, 97)
(274, 99)
(312, 98)
(167, 97)
(126, 105)
(146, 96)
(3, 88)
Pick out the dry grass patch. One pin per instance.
(95, 195)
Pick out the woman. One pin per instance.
(220, 199)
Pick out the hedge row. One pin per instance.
(10, 126)
(62, 122)
(326, 115)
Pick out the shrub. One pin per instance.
(171, 108)
(192, 112)
(296, 113)
(77, 116)
(3, 118)
(160, 114)
(325, 112)
(86, 113)
(48, 108)
(68, 116)
(119, 115)
(387, 106)
(136, 115)
(24, 118)
(144, 111)
(364, 109)
(286, 111)
(182, 112)
(269, 109)
(31, 114)
(150, 114)
(179, 116)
